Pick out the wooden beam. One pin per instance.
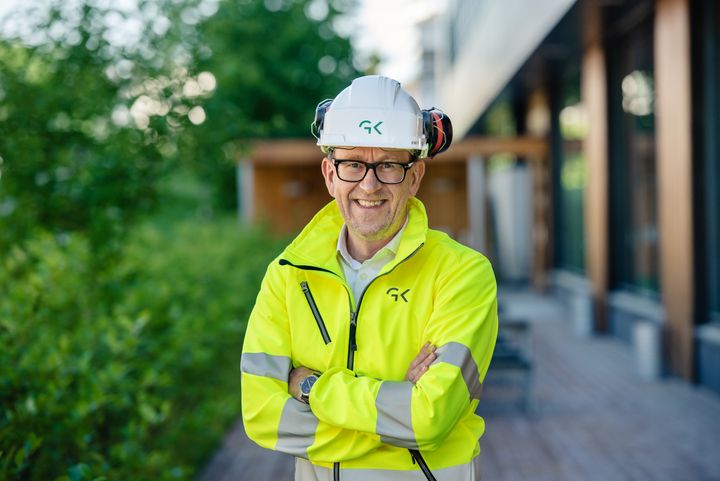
(286, 152)
(531, 147)
(305, 151)
(595, 151)
(674, 167)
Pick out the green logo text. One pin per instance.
(367, 125)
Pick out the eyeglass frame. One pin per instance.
(372, 166)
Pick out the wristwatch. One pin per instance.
(305, 386)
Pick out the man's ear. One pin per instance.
(416, 174)
(328, 172)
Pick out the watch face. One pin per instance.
(307, 384)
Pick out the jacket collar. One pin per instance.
(316, 245)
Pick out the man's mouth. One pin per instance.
(369, 203)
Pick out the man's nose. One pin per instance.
(370, 183)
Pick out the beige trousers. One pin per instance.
(306, 471)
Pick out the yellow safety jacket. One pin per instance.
(363, 415)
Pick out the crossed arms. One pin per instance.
(350, 415)
(417, 368)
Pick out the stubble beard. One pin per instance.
(387, 227)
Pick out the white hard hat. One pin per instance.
(374, 111)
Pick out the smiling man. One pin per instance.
(373, 206)
(371, 335)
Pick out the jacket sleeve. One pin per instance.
(464, 327)
(271, 416)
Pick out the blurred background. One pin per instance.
(155, 155)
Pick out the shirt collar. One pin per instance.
(390, 248)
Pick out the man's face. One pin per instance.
(372, 211)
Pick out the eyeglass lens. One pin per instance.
(386, 172)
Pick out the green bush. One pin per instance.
(132, 376)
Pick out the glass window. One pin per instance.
(709, 182)
(714, 204)
(633, 179)
(569, 176)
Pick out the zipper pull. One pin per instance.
(304, 287)
(353, 328)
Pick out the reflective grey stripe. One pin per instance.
(261, 364)
(306, 471)
(459, 355)
(296, 431)
(394, 419)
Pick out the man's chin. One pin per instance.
(372, 235)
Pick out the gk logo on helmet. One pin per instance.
(367, 125)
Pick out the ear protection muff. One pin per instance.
(319, 120)
(438, 131)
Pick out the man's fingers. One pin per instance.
(421, 363)
(424, 365)
(417, 373)
(426, 356)
(427, 350)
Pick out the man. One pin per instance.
(366, 349)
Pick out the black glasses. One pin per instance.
(387, 171)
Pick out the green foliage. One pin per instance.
(272, 65)
(66, 165)
(90, 121)
(142, 388)
(120, 339)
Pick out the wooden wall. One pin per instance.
(444, 193)
(674, 167)
(288, 196)
(287, 187)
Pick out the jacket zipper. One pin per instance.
(316, 313)
(352, 342)
(423, 465)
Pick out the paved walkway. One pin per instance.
(593, 418)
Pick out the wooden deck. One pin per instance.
(592, 418)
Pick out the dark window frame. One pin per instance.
(623, 24)
(705, 18)
(564, 73)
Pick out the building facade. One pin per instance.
(626, 95)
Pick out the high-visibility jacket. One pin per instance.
(363, 415)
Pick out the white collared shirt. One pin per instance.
(359, 274)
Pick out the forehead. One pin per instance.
(367, 153)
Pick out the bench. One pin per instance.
(512, 356)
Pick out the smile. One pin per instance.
(369, 203)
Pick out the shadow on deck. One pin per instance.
(592, 417)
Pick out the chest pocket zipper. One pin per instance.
(316, 313)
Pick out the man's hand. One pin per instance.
(295, 378)
(421, 363)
